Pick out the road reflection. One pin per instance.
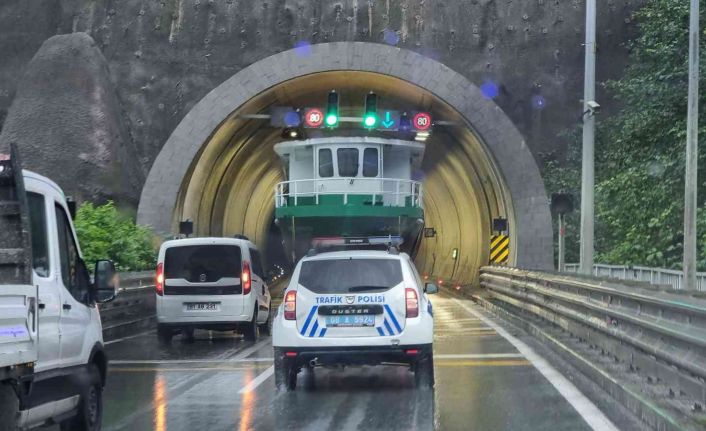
(247, 404)
(357, 398)
(160, 402)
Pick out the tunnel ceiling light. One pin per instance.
(331, 118)
(370, 118)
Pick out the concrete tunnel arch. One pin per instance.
(218, 169)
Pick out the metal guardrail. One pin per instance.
(388, 191)
(658, 276)
(659, 333)
(133, 309)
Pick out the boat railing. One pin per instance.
(383, 191)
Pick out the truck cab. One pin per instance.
(52, 361)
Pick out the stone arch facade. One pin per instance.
(532, 228)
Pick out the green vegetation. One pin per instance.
(640, 151)
(104, 233)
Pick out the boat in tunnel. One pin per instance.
(349, 191)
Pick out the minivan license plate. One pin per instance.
(358, 320)
(201, 306)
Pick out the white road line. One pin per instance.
(588, 411)
(257, 381)
(186, 361)
(117, 340)
(252, 349)
(479, 356)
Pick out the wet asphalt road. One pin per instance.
(220, 382)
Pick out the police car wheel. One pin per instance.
(266, 328)
(250, 332)
(424, 372)
(285, 374)
(9, 408)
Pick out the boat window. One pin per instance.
(370, 162)
(347, 162)
(325, 163)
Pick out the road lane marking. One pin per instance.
(249, 351)
(181, 369)
(117, 340)
(479, 356)
(257, 381)
(186, 361)
(491, 363)
(583, 406)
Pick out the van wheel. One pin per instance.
(285, 374)
(164, 334)
(250, 332)
(424, 371)
(90, 407)
(266, 328)
(187, 335)
(9, 408)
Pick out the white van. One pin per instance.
(354, 308)
(53, 364)
(211, 283)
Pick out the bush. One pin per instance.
(104, 233)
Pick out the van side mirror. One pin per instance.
(105, 282)
(431, 288)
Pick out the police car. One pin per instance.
(364, 307)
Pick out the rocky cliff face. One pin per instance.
(165, 55)
(68, 123)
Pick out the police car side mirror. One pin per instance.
(431, 288)
(105, 282)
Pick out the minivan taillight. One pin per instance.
(290, 305)
(159, 279)
(246, 278)
(411, 301)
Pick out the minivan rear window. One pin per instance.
(350, 275)
(202, 263)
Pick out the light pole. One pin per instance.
(589, 124)
(692, 140)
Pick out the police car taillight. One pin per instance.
(246, 278)
(412, 303)
(290, 305)
(159, 279)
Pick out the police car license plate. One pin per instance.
(201, 306)
(342, 321)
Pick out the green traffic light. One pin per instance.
(331, 120)
(370, 118)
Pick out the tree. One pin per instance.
(640, 151)
(106, 234)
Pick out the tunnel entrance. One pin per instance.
(219, 168)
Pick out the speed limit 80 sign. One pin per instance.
(421, 121)
(313, 118)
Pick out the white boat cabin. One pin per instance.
(347, 166)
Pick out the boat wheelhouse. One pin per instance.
(349, 190)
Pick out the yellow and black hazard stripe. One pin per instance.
(499, 248)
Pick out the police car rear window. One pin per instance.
(202, 263)
(350, 275)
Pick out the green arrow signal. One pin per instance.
(387, 123)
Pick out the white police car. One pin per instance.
(354, 308)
